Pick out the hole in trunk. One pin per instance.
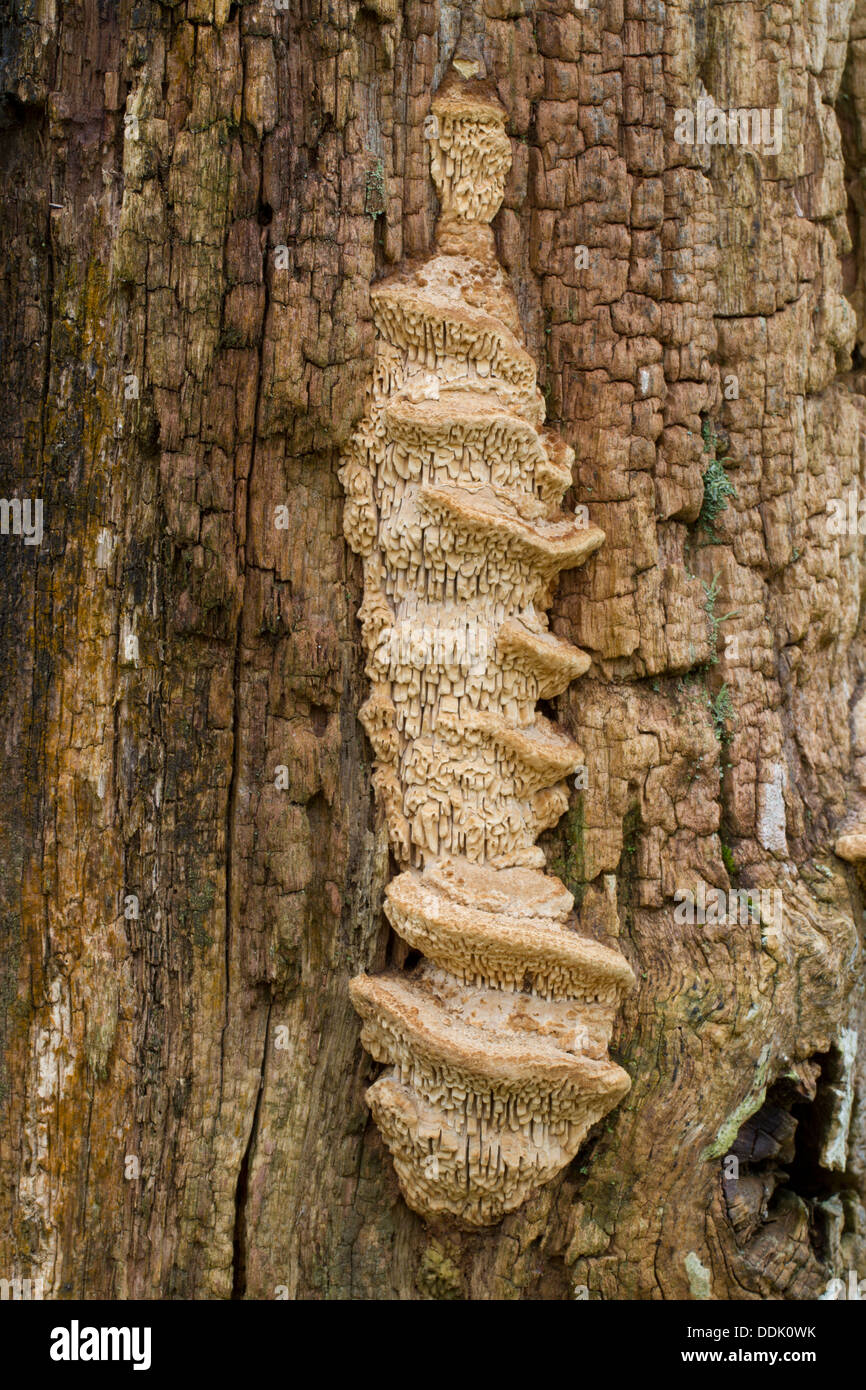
(784, 1177)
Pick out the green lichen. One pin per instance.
(722, 711)
(700, 1279)
(570, 865)
(717, 485)
(747, 1107)
(374, 199)
(714, 619)
(439, 1275)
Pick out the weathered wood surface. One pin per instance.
(155, 160)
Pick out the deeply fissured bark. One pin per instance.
(198, 199)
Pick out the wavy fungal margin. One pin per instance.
(495, 1044)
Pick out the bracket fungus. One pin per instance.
(495, 1043)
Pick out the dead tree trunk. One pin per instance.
(198, 199)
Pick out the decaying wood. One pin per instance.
(199, 198)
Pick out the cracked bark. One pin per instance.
(155, 1036)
